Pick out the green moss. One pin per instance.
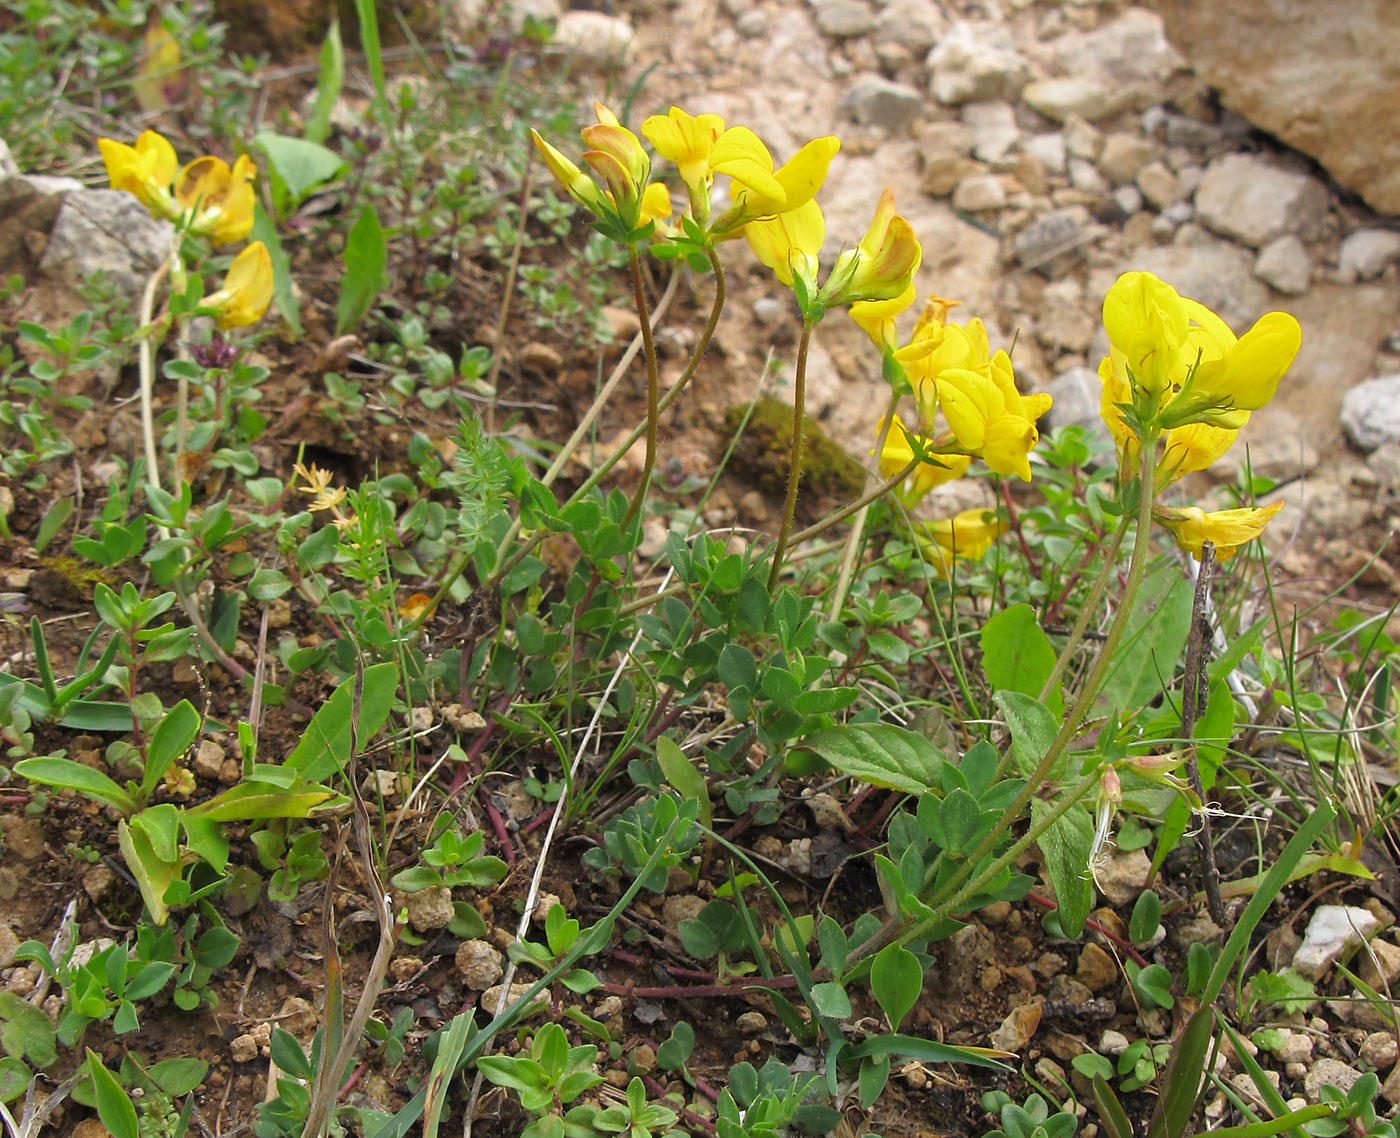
(761, 457)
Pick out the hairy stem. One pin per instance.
(799, 398)
(146, 363)
(848, 556)
(639, 298)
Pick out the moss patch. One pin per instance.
(761, 457)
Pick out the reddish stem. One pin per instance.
(502, 834)
(682, 992)
(1125, 945)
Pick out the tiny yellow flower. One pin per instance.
(882, 266)
(1226, 529)
(317, 482)
(247, 289)
(965, 537)
(217, 200)
(990, 417)
(789, 243)
(1146, 323)
(898, 452)
(144, 170)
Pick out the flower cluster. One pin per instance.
(207, 198)
(1178, 377)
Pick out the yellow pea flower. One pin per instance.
(144, 170)
(1223, 390)
(789, 243)
(964, 537)
(898, 452)
(688, 141)
(759, 191)
(990, 417)
(1226, 529)
(620, 167)
(936, 347)
(882, 265)
(1146, 323)
(247, 289)
(218, 200)
(876, 318)
(579, 185)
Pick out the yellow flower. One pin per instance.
(1146, 323)
(898, 452)
(876, 318)
(1223, 390)
(218, 201)
(247, 289)
(882, 266)
(144, 170)
(620, 168)
(758, 191)
(318, 484)
(789, 243)
(990, 417)
(936, 347)
(965, 537)
(688, 141)
(1226, 529)
(656, 205)
(578, 184)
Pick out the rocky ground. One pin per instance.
(1039, 150)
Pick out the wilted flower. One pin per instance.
(217, 200)
(1227, 530)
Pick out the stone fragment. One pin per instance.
(28, 207)
(595, 37)
(1066, 323)
(1379, 1050)
(1017, 1028)
(104, 231)
(98, 881)
(751, 1023)
(975, 61)
(1366, 253)
(1159, 186)
(1121, 875)
(243, 1049)
(1128, 199)
(1332, 930)
(208, 759)
(682, 907)
(1294, 1047)
(1329, 1073)
(1048, 148)
(1084, 176)
(1245, 1088)
(1371, 412)
(1077, 392)
(24, 837)
(915, 25)
(1247, 197)
(1083, 139)
(478, 963)
(490, 999)
(872, 100)
(1334, 101)
(1129, 55)
(979, 193)
(1124, 154)
(994, 129)
(8, 943)
(1051, 244)
(1097, 970)
(1059, 98)
(430, 908)
(844, 19)
(1284, 264)
(1380, 964)
(1113, 1043)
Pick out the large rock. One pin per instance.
(104, 231)
(1371, 412)
(1245, 197)
(976, 61)
(1320, 76)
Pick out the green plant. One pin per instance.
(1031, 1120)
(547, 1078)
(453, 860)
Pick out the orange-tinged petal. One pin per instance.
(1227, 530)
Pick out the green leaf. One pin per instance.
(252, 800)
(284, 295)
(178, 1077)
(69, 775)
(168, 742)
(1152, 642)
(1146, 918)
(1182, 1081)
(114, 1105)
(328, 84)
(673, 1054)
(1066, 845)
(15, 1077)
(161, 826)
(365, 256)
(153, 874)
(325, 746)
(415, 879)
(286, 1052)
(928, 1051)
(896, 979)
(831, 1001)
(1017, 656)
(1033, 729)
(684, 776)
(299, 165)
(25, 1031)
(1112, 1117)
(825, 701)
(882, 754)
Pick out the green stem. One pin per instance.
(1086, 613)
(848, 556)
(146, 364)
(838, 516)
(639, 297)
(799, 398)
(958, 888)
